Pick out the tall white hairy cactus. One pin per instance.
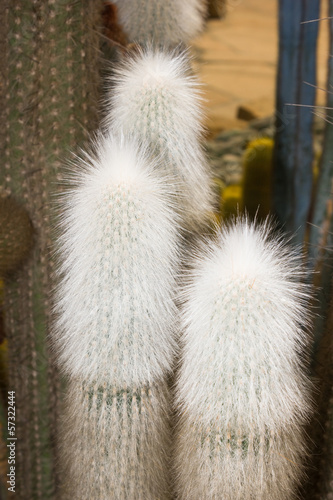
(161, 22)
(156, 98)
(116, 324)
(242, 388)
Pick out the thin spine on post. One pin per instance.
(161, 22)
(242, 389)
(155, 97)
(116, 323)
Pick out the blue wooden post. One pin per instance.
(293, 154)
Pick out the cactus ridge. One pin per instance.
(156, 99)
(119, 253)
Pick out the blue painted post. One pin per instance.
(293, 154)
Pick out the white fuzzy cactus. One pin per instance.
(242, 387)
(116, 322)
(156, 98)
(161, 22)
(119, 243)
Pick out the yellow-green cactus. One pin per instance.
(231, 199)
(257, 174)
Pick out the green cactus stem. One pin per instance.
(50, 69)
(257, 178)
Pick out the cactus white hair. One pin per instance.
(156, 98)
(115, 442)
(242, 386)
(116, 316)
(161, 22)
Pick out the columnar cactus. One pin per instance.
(161, 22)
(49, 94)
(242, 387)
(156, 98)
(115, 331)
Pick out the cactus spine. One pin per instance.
(242, 388)
(157, 100)
(161, 22)
(116, 323)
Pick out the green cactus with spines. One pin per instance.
(231, 199)
(50, 67)
(257, 175)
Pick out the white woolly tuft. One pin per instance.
(242, 386)
(157, 100)
(161, 22)
(116, 315)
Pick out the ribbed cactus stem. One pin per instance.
(242, 387)
(156, 98)
(161, 22)
(50, 77)
(116, 322)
